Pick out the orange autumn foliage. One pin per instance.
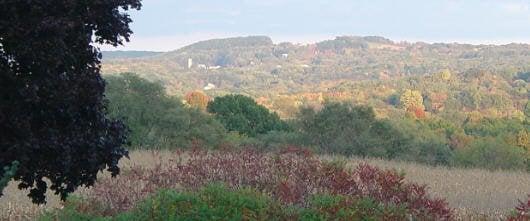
(198, 99)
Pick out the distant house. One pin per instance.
(285, 55)
(214, 67)
(209, 86)
(202, 66)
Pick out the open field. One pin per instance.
(470, 191)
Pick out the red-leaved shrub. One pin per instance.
(522, 211)
(290, 176)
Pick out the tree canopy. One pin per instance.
(351, 130)
(242, 114)
(52, 113)
(157, 120)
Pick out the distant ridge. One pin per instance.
(235, 42)
(348, 41)
(111, 55)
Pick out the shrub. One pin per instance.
(336, 207)
(218, 202)
(291, 176)
(213, 202)
(522, 211)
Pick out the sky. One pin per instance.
(165, 25)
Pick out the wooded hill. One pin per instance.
(462, 78)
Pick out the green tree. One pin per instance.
(491, 153)
(411, 100)
(242, 114)
(52, 114)
(351, 130)
(429, 140)
(157, 120)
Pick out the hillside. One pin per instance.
(253, 64)
(371, 70)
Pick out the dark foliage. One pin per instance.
(52, 114)
(242, 114)
(7, 174)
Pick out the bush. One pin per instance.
(522, 211)
(218, 202)
(336, 207)
(291, 176)
(213, 202)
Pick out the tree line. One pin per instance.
(157, 120)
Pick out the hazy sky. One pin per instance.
(164, 25)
